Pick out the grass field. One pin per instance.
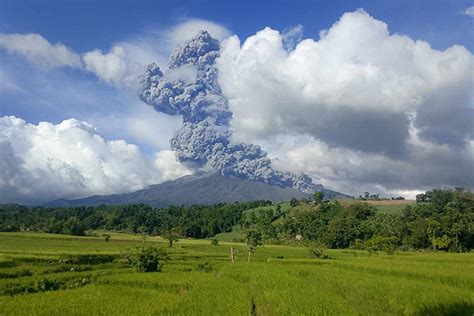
(199, 279)
(385, 206)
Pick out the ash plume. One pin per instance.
(190, 88)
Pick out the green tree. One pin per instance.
(253, 239)
(172, 235)
(142, 230)
(318, 197)
(73, 226)
(350, 224)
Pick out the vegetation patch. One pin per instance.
(15, 274)
(148, 259)
(43, 285)
(92, 259)
(204, 266)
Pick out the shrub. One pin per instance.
(378, 243)
(148, 259)
(77, 282)
(205, 267)
(45, 285)
(214, 242)
(316, 249)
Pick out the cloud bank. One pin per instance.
(68, 160)
(37, 50)
(383, 102)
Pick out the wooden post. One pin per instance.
(232, 254)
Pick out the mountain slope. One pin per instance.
(205, 188)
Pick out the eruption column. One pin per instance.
(190, 88)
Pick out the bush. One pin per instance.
(77, 283)
(205, 267)
(214, 242)
(316, 249)
(148, 259)
(45, 285)
(378, 243)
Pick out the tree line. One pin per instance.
(197, 221)
(445, 222)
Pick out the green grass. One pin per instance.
(391, 209)
(280, 280)
(384, 206)
(234, 235)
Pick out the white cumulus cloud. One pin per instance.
(110, 67)
(40, 51)
(47, 161)
(469, 11)
(358, 108)
(358, 81)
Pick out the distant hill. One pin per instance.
(204, 188)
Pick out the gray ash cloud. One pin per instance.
(190, 88)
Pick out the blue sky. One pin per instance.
(87, 25)
(84, 25)
(80, 60)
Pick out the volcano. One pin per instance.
(202, 188)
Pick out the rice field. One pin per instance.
(199, 279)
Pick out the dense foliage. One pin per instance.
(197, 221)
(445, 221)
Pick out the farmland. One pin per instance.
(198, 278)
(385, 206)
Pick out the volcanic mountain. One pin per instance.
(201, 188)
